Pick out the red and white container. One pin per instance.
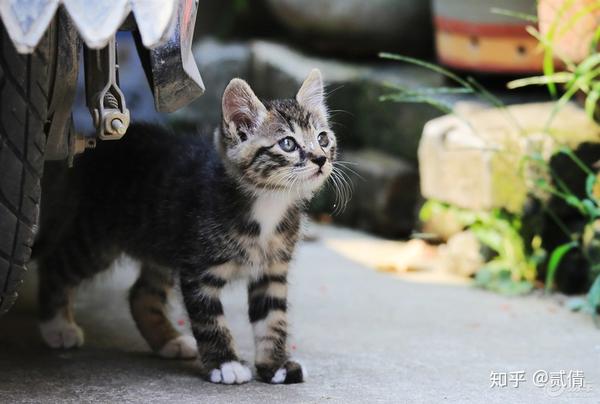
(470, 36)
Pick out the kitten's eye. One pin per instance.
(323, 139)
(242, 135)
(288, 144)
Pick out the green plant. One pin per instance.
(514, 266)
(431, 95)
(583, 78)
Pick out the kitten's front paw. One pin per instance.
(182, 347)
(59, 333)
(230, 373)
(291, 372)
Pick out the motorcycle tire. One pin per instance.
(25, 86)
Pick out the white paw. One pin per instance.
(60, 333)
(183, 347)
(230, 373)
(279, 376)
(297, 375)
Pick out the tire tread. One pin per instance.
(25, 82)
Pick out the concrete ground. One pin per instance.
(364, 336)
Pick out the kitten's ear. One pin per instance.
(241, 107)
(312, 93)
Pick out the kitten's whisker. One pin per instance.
(348, 181)
(344, 185)
(342, 166)
(346, 162)
(333, 90)
(343, 111)
(338, 193)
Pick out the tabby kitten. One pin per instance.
(204, 211)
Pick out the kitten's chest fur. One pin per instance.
(268, 211)
(272, 231)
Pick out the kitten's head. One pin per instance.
(278, 145)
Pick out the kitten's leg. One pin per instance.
(61, 271)
(201, 294)
(148, 300)
(267, 304)
(57, 324)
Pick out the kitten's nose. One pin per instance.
(319, 160)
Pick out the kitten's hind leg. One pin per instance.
(61, 271)
(148, 301)
(57, 325)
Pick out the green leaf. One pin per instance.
(559, 78)
(576, 304)
(562, 101)
(594, 293)
(574, 201)
(427, 90)
(427, 210)
(591, 101)
(555, 259)
(427, 65)
(498, 279)
(443, 106)
(591, 209)
(541, 183)
(593, 298)
(590, 182)
(568, 152)
(595, 40)
(588, 63)
(548, 67)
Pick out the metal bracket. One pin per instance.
(170, 68)
(103, 96)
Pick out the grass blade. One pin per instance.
(590, 183)
(591, 101)
(555, 259)
(560, 77)
(569, 153)
(411, 99)
(427, 65)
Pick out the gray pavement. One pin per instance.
(364, 336)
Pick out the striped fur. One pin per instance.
(204, 211)
(148, 300)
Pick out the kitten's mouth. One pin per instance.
(319, 176)
(316, 177)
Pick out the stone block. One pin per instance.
(477, 160)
